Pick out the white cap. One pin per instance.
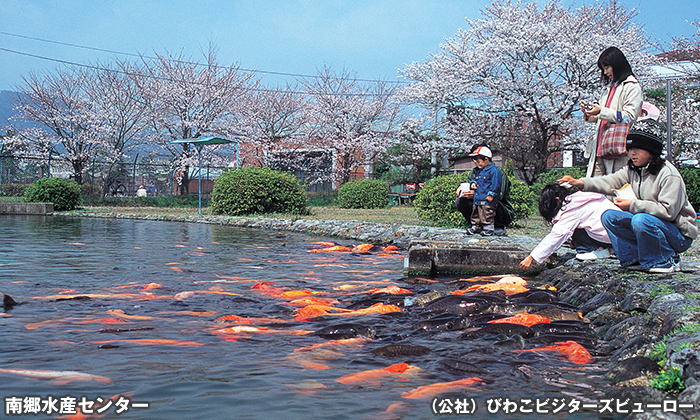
(482, 151)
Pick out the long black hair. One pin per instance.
(613, 57)
(551, 200)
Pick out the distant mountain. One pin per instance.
(8, 100)
(7, 103)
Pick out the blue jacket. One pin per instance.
(488, 182)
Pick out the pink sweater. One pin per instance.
(580, 210)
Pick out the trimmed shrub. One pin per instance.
(258, 191)
(63, 193)
(364, 194)
(436, 201)
(691, 177)
(523, 199)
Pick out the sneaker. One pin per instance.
(593, 255)
(664, 267)
(473, 230)
(500, 232)
(487, 232)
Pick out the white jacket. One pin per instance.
(581, 210)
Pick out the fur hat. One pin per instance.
(648, 135)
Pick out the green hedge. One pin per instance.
(65, 194)
(258, 191)
(435, 201)
(364, 194)
(14, 190)
(691, 177)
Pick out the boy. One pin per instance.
(504, 210)
(488, 180)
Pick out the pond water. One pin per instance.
(150, 310)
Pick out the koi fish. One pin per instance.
(572, 350)
(120, 314)
(362, 248)
(310, 300)
(428, 391)
(152, 342)
(355, 341)
(58, 377)
(235, 319)
(394, 290)
(509, 284)
(336, 248)
(312, 311)
(373, 376)
(390, 248)
(522, 319)
(228, 333)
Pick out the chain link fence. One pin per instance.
(130, 179)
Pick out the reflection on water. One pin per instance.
(136, 302)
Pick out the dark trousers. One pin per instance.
(465, 206)
(584, 243)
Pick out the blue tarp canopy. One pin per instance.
(200, 142)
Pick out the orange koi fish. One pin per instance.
(58, 377)
(374, 376)
(104, 321)
(119, 313)
(572, 350)
(249, 329)
(523, 319)
(362, 248)
(235, 319)
(509, 284)
(310, 300)
(428, 391)
(336, 248)
(268, 288)
(390, 248)
(230, 333)
(312, 311)
(394, 290)
(354, 341)
(153, 342)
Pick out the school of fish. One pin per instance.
(407, 327)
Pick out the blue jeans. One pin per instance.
(643, 238)
(582, 242)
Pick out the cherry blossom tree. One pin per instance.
(71, 127)
(354, 122)
(515, 79)
(190, 100)
(113, 90)
(683, 58)
(274, 120)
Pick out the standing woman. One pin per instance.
(621, 103)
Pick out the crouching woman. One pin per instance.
(658, 222)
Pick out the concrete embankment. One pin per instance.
(26, 208)
(641, 318)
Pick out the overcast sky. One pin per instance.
(371, 38)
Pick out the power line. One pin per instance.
(93, 67)
(275, 73)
